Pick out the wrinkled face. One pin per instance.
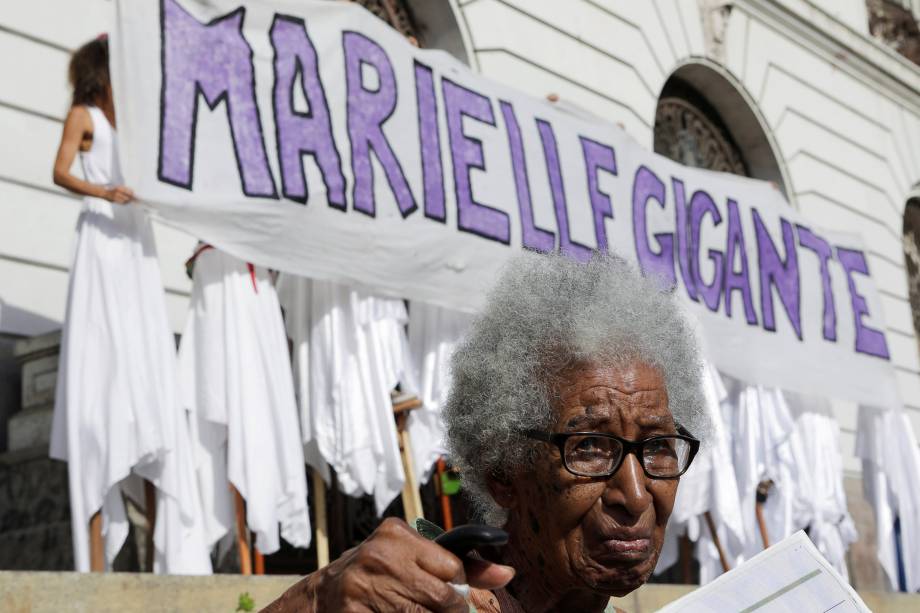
(602, 534)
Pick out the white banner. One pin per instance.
(310, 137)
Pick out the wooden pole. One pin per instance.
(764, 536)
(242, 537)
(412, 500)
(319, 513)
(686, 557)
(447, 515)
(96, 546)
(258, 561)
(150, 512)
(717, 542)
(763, 490)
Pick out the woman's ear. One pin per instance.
(502, 490)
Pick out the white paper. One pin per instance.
(789, 576)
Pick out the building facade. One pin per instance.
(818, 96)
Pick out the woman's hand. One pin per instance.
(119, 194)
(395, 569)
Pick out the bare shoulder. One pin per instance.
(79, 123)
(79, 115)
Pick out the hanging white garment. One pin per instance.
(891, 471)
(237, 383)
(710, 486)
(761, 423)
(117, 408)
(434, 333)
(350, 351)
(819, 503)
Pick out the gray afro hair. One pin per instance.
(547, 312)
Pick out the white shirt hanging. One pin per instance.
(434, 333)
(761, 423)
(891, 471)
(237, 383)
(708, 486)
(350, 351)
(819, 501)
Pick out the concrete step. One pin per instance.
(47, 592)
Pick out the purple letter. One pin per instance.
(532, 237)
(466, 153)
(599, 157)
(737, 281)
(647, 186)
(868, 340)
(367, 111)
(700, 204)
(215, 61)
(822, 249)
(567, 246)
(683, 238)
(302, 133)
(430, 143)
(776, 273)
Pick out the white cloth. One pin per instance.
(237, 383)
(350, 351)
(434, 333)
(117, 408)
(891, 471)
(708, 486)
(819, 501)
(761, 423)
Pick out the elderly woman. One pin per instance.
(573, 400)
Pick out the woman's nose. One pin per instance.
(626, 488)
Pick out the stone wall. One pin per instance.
(34, 512)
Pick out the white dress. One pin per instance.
(708, 486)
(761, 423)
(434, 333)
(891, 470)
(117, 409)
(350, 351)
(819, 500)
(236, 380)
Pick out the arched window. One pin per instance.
(704, 119)
(395, 12)
(431, 22)
(689, 131)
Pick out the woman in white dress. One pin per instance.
(117, 411)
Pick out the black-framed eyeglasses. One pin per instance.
(595, 454)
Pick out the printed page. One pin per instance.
(789, 576)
